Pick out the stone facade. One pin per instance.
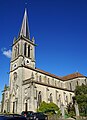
(28, 85)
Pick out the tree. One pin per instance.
(81, 98)
(49, 108)
(70, 110)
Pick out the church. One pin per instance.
(28, 85)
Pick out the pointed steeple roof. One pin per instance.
(25, 28)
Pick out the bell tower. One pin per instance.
(23, 57)
(23, 47)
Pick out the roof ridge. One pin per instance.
(64, 78)
(73, 75)
(49, 73)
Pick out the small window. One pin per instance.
(15, 76)
(39, 98)
(40, 78)
(85, 82)
(56, 95)
(36, 77)
(52, 81)
(25, 48)
(67, 99)
(48, 81)
(77, 83)
(51, 99)
(64, 96)
(55, 83)
(29, 51)
(59, 98)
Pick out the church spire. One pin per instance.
(25, 28)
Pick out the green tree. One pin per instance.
(49, 108)
(81, 98)
(70, 110)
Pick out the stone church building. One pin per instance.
(28, 85)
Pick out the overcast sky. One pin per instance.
(60, 31)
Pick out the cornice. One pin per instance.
(44, 84)
(26, 39)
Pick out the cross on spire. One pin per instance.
(25, 28)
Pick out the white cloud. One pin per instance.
(7, 53)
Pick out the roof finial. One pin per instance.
(25, 3)
(77, 71)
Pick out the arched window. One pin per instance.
(55, 82)
(13, 107)
(64, 96)
(26, 105)
(40, 78)
(39, 98)
(15, 76)
(25, 48)
(51, 99)
(59, 98)
(29, 51)
(36, 77)
(52, 81)
(48, 81)
(67, 99)
(77, 83)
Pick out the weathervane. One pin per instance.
(26, 3)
